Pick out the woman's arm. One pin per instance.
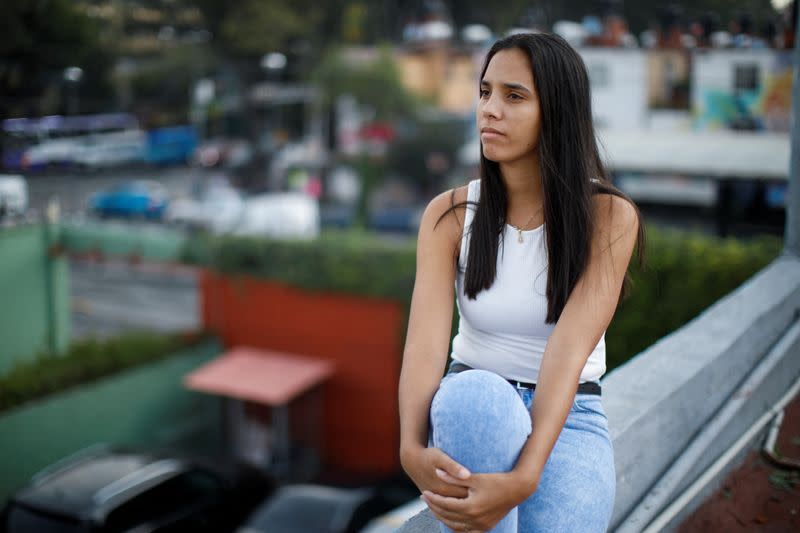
(429, 323)
(585, 317)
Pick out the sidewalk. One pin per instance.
(758, 496)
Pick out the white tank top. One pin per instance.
(503, 330)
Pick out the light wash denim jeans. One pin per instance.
(482, 421)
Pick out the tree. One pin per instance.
(255, 27)
(161, 87)
(375, 84)
(38, 40)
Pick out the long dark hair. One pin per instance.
(571, 169)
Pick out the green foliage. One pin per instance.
(375, 84)
(40, 39)
(86, 361)
(165, 83)
(441, 137)
(344, 262)
(784, 479)
(354, 22)
(372, 174)
(254, 27)
(685, 274)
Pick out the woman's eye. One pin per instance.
(483, 92)
(514, 96)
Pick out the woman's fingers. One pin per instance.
(444, 476)
(451, 467)
(447, 489)
(440, 512)
(456, 524)
(456, 505)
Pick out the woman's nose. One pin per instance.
(490, 107)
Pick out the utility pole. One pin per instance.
(792, 235)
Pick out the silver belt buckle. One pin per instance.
(520, 386)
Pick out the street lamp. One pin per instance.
(273, 64)
(72, 77)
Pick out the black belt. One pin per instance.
(587, 387)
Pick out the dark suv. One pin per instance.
(111, 490)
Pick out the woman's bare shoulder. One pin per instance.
(614, 212)
(447, 208)
(445, 212)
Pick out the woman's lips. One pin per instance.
(490, 134)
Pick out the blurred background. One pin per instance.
(367, 107)
(203, 200)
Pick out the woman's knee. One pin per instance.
(478, 416)
(476, 390)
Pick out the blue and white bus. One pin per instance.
(91, 142)
(32, 143)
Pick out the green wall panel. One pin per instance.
(112, 239)
(34, 294)
(145, 407)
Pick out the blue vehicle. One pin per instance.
(141, 199)
(171, 145)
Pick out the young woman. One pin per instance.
(514, 438)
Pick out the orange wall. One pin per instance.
(362, 336)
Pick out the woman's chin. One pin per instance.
(493, 156)
(504, 156)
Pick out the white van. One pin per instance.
(13, 195)
(281, 215)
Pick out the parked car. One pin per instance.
(213, 205)
(13, 195)
(132, 199)
(316, 508)
(284, 215)
(104, 489)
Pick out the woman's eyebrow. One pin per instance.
(509, 85)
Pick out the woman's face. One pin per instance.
(508, 109)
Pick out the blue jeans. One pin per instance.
(482, 421)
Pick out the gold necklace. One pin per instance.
(519, 229)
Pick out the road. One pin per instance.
(113, 297)
(74, 189)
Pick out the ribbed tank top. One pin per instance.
(503, 330)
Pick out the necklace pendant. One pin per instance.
(519, 236)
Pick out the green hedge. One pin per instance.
(86, 361)
(684, 274)
(351, 262)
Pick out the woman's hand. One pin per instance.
(421, 465)
(490, 497)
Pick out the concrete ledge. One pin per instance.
(745, 415)
(661, 398)
(659, 401)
